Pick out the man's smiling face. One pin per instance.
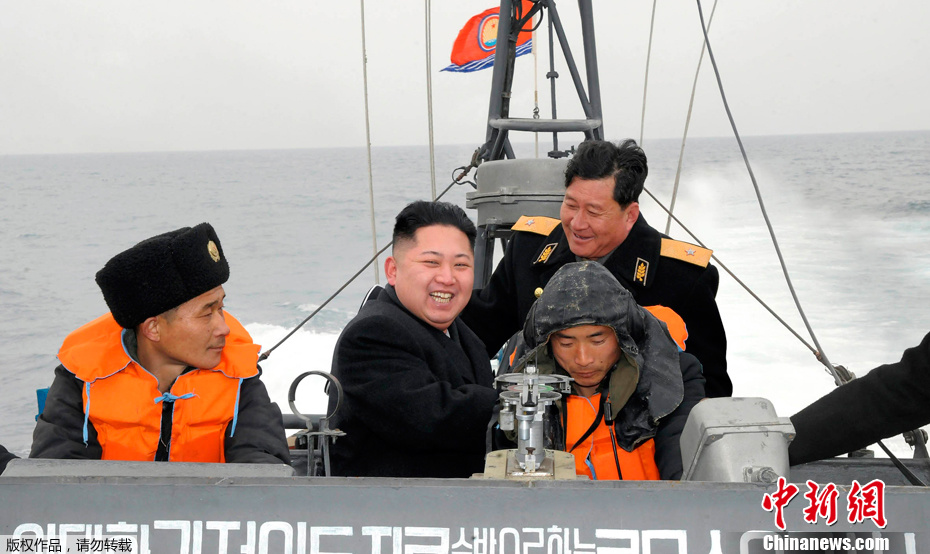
(594, 223)
(433, 274)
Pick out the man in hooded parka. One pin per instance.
(632, 387)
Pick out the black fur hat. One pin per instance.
(161, 273)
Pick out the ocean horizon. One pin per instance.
(851, 212)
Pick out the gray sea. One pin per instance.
(851, 213)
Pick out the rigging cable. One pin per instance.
(642, 121)
(840, 375)
(455, 181)
(371, 186)
(730, 273)
(429, 101)
(536, 83)
(684, 137)
(552, 74)
(908, 474)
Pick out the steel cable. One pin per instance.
(684, 136)
(456, 181)
(840, 376)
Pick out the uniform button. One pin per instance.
(538, 292)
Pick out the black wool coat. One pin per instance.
(499, 309)
(5, 457)
(417, 403)
(888, 400)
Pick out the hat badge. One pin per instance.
(213, 250)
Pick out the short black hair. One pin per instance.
(625, 162)
(423, 213)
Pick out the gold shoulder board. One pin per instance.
(686, 252)
(538, 224)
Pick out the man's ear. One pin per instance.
(390, 270)
(150, 329)
(632, 214)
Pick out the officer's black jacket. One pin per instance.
(499, 309)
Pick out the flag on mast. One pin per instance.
(473, 49)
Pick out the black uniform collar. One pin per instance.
(635, 262)
(554, 251)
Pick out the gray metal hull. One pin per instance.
(301, 515)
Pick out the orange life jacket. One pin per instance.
(597, 448)
(676, 326)
(124, 404)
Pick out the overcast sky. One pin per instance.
(109, 76)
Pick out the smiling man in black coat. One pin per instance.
(600, 221)
(417, 381)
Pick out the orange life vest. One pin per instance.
(124, 404)
(597, 448)
(676, 326)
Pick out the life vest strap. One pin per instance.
(168, 397)
(593, 427)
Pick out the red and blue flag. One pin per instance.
(473, 49)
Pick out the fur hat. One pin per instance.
(161, 273)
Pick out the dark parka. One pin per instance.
(888, 400)
(653, 386)
(5, 457)
(417, 402)
(499, 309)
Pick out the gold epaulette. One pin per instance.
(540, 225)
(686, 252)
